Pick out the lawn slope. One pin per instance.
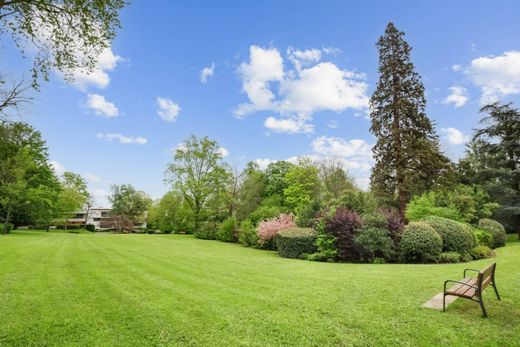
(135, 290)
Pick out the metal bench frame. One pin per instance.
(477, 297)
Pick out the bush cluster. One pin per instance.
(247, 235)
(207, 231)
(228, 230)
(456, 236)
(483, 237)
(90, 227)
(10, 227)
(344, 225)
(296, 242)
(420, 243)
(496, 229)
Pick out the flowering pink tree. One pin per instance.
(268, 229)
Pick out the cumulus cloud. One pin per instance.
(98, 77)
(333, 124)
(456, 67)
(263, 162)
(206, 73)
(354, 154)
(454, 136)
(102, 106)
(109, 137)
(497, 76)
(288, 125)
(168, 110)
(57, 167)
(458, 96)
(91, 178)
(223, 151)
(297, 94)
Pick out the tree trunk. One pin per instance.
(8, 214)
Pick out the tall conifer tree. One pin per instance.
(408, 159)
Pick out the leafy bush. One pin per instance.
(207, 231)
(450, 257)
(306, 216)
(247, 235)
(264, 212)
(357, 201)
(481, 252)
(325, 243)
(90, 227)
(344, 225)
(425, 205)
(420, 243)
(228, 231)
(10, 227)
(268, 229)
(296, 242)
(484, 237)
(456, 236)
(497, 229)
(374, 242)
(394, 222)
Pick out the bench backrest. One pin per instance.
(486, 275)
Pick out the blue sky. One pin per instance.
(268, 80)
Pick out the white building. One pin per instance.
(95, 217)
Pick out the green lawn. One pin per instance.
(104, 289)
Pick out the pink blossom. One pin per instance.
(268, 229)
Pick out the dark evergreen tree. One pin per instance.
(493, 160)
(408, 159)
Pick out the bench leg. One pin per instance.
(481, 303)
(443, 302)
(495, 288)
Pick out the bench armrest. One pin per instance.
(466, 270)
(460, 282)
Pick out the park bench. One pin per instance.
(472, 287)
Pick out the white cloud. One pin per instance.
(122, 139)
(91, 178)
(288, 125)
(456, 67)
(497, 76)
(100, 193)
(454, 136)
(102, 106)
(168, 110)
(333, 124)
(206, 73)
(223, 151)
(57, 167)
(338, 147)
(263, 162)
(458, 96)
(98, 77)
(301, 92)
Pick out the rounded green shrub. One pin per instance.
(296, 242)
(228, 230)
(207, 231)
(247, 235)
(420, 243)
(456, 236)
(10, 227)
(481, 252)
(484, 237)
(90, 227)
(497, 229)
(450, 257)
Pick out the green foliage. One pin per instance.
(302, 185)
(199, 174)
(481, 252)
(357, 201)
(90, 227)
(456, 236)
(334, 179)
(247, 235)
(251, 192)
(495, 228)
(420, 243)
(130, 203)
(296, 242)
(425, 205)
(8, 228)
(407, 156)
(228, 230)
(450, 257)
(275, 177)
(375, 243)
(170, 214)
(270, 207)
(207, 231)
(325, 243)
(306, 216)
(484, 237)
(68, 35)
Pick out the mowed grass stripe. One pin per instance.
(100, 289)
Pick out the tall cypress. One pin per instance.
(407, 155)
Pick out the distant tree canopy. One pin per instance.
(127, 202)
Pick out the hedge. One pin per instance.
(296, 242)
(497, 229)
(456, 236)
(10, 227)
(420, 243)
